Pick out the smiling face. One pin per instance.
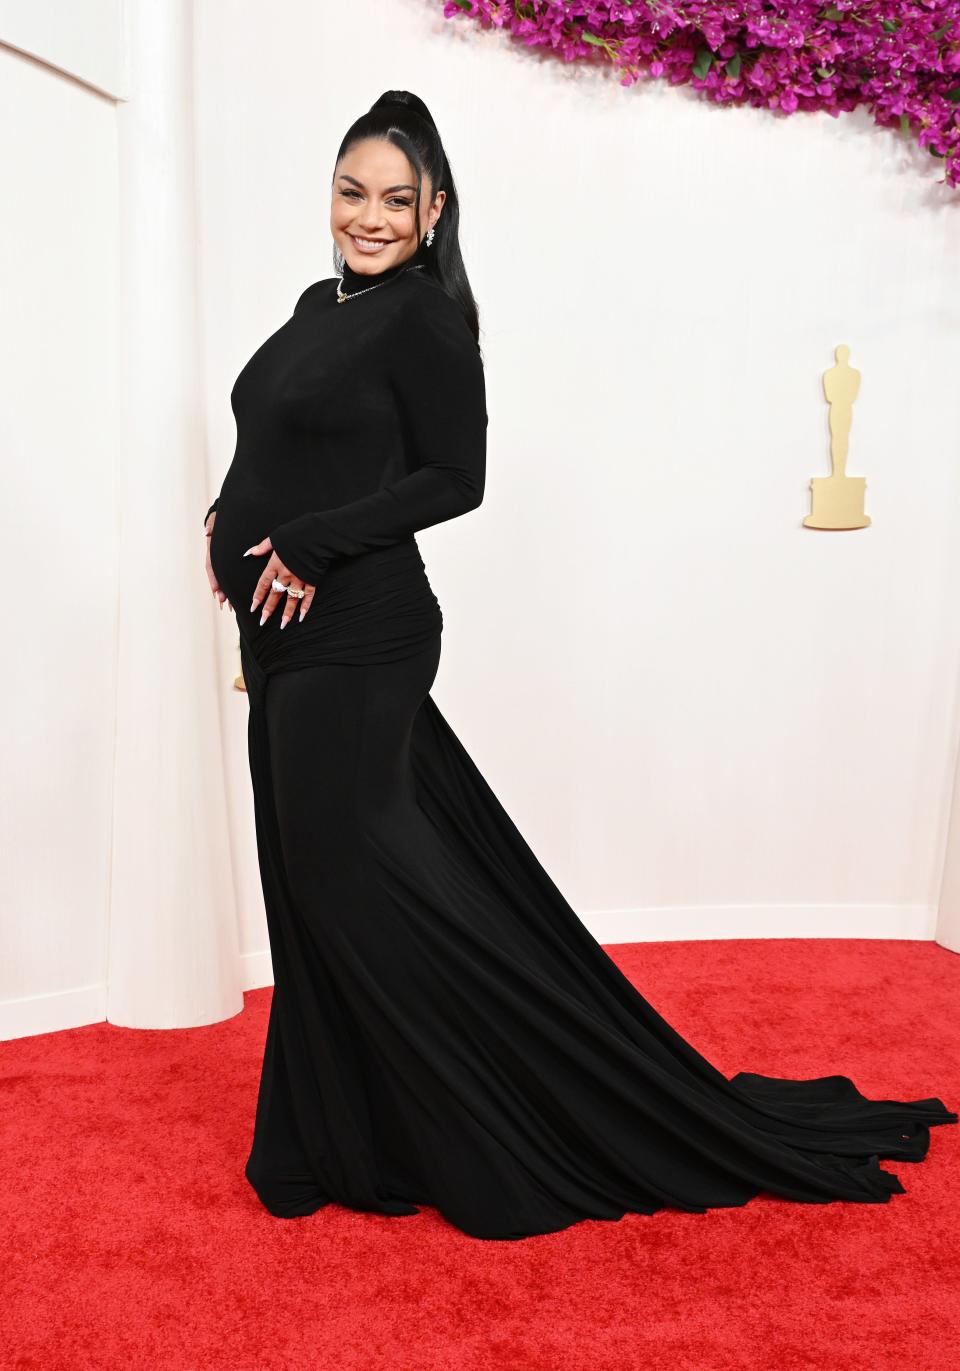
(371, 208)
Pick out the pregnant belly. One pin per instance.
(376, 607)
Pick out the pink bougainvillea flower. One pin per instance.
(899, 58)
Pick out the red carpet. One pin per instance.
(130, 1238)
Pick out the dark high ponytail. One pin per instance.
(403, 119)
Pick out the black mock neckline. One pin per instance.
(352, 280)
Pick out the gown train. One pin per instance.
(444, 1029)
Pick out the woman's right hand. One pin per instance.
(211, 575)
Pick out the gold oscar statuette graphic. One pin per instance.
(837, 500)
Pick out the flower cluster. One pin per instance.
(900, 58)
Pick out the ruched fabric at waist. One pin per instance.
(376, 607)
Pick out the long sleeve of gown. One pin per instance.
(438, 377)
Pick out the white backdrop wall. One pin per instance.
(59, 522)
(707, 720)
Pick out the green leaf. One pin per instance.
(890, 25)
(734, 65)
(954, 94)
(594, 38)
(825, 72)
(833, 13)
(703, 63)
(904, 123)
(462, 4)
(941, 31)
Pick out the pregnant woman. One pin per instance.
(443, 1030)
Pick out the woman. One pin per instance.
(443, 1029)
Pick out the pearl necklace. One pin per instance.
(342, 295)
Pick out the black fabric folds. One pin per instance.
(436, 382)
(443, 1028)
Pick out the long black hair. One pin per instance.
(404, 119)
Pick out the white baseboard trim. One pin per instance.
(256, 970)
(74, 1008)
(671, 923)
(86, 1004)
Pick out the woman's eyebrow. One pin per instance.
(344, 177)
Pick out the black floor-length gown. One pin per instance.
(444, 1030)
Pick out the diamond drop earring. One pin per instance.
(430, 236)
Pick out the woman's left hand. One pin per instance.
(264, 587)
